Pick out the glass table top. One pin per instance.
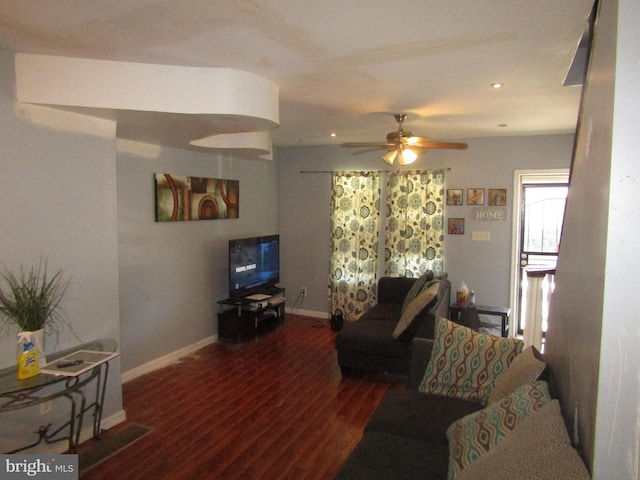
(9, 382)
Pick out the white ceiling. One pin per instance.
(342, 66)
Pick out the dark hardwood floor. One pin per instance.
(275, 408)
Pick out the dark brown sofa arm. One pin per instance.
(420, 355)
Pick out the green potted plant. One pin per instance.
(30, 300)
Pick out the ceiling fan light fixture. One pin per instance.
(403, 145)
(407, 157)
(390, 156)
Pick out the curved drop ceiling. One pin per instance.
(185, 107)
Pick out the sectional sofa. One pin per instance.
(476, 407)
(380, 340)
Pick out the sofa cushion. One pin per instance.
(422, 416)
(406, 326)
(394, 289)
(416, 288)
(388, 312)
(478, 432)
(538, 448)
(380, 456)
(464, 363)
(525, 368)
(372, 337)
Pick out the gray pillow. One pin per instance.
(416, 288)
(525, 368)
(424, 300)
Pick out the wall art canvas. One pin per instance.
(475, 196)
(455, 226)
(454, 196)
(180, 198)
(498, 197)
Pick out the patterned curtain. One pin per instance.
(355, 213)
(414, 239)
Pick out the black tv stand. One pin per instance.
(248, 319)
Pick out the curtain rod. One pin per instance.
(369, 171)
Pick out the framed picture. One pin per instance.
(455, 226)
(475, 196)
(180, 198)
(498, 197)
(454, 196)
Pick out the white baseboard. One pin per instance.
(110, 421)
(307, 313)
(166, 360)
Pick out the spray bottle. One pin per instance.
(462, 295)
(28, 361)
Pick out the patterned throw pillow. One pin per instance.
(537, 449)
(416, 288)
(525, 368)
(473, 435)
(465, 363)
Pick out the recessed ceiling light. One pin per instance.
(502, 125)
(333, 134)
(496, 85)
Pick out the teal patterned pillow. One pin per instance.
(465, 363)
(417, 287)
(473, 435)
(537, 449)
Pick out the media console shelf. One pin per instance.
(242, 319)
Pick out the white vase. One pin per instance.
(37, 338)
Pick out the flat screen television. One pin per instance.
(254, 264)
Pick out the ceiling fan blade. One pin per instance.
(428, 144)
(368, 150)
(368, 144)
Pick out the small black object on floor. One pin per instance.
(337, 321)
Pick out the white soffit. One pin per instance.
(258, 141)
(202, 102)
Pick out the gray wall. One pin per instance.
(59, 201)
(172, 274)
(86, 201)
(487, 163)
(595, 349)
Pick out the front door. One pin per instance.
(542, 200)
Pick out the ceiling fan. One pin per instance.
(402, 144)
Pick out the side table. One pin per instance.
(502, 312)
(17, 394)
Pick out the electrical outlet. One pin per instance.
(303, 290)
(46, 407)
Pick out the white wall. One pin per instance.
(487, 163)
(594, 345)
(618, 415)
(172, 274)
(59, 201)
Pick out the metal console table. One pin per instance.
(17, 394)
(502, 312)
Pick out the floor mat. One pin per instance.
(109, 445)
